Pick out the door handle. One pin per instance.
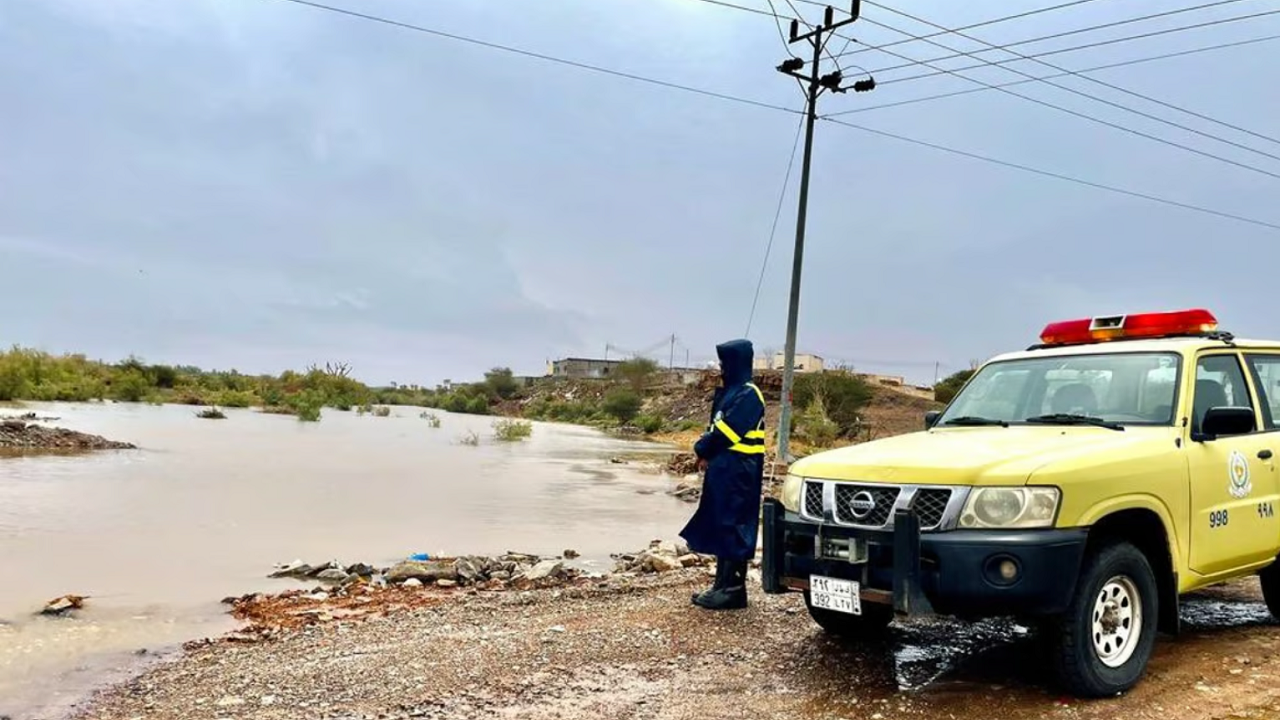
(1264, 454)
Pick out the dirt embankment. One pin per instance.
(18, 434)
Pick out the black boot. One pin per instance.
(732, 595)
(723, 571)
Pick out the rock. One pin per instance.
(361, 569)
(333, 575)
(690, 560)
(411, 583)
(297, 568)
(571, 554)
(427, 572)
(268, 700)
(446, 583)
(468, 570)
(660, 562)
(545, 569)
(63, 605)
(18, 434)
(500, 575)
(230, 701)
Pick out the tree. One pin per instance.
(947, 387)
(843, 395)
(636, 371)
(501, 382)
(623, 404)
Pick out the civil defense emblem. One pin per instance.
(1238, 475)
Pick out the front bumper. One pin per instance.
(949, 573)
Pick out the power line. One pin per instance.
(782, 196)
(1095, 68)
(1056, 175)
(538, 56)
(731, 98)
(1104, 101)
(1110, 86)
(1075, 48)
(1091, 118)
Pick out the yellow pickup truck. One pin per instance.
(1081, 485)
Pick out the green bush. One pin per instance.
(623, 404)
(815, 426)
(945, 389)
(382, 411)
(511, 429)
(501, 383)
(470, 439)
(212, 413)
(843, 397)
(432, 419)
(636, 372)
(234, 399)
(649, 423)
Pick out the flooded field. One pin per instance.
(204, 508)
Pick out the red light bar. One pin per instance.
(1114, 327)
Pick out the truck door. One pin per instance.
(1233, 478)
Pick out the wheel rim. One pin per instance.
(1117, 621)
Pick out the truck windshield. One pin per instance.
(1113, 389)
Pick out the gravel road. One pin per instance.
(640, 650)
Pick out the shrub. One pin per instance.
(470, 438)
(843, 397)
(212, 413)
(637, 372)
(945, 389)
(432, 419)
(815, 426)
(512, 430)
(130, 386)
(623, 404)
(234, 399)
(382, 411)
(649, 423)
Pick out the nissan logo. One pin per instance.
(862, 504)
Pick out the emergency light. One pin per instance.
(1117, 327)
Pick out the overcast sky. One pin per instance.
(261, 185)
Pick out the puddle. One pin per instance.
(1211, 614)
(924, 653)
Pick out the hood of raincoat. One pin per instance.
(735, 361)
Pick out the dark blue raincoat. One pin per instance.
(728, 515)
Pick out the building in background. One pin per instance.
(804, 362)
(582, 368)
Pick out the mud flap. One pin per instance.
(908, 597)
(771, 558)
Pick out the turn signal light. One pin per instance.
(1117, 327)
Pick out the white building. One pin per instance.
(804, 362)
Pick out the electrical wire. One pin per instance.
(1096, 68)
(1058, 176)
(1091, 118)
(782, 196)
(1095, 98)
(1110, 86)
(1074, 48)
(754, 103)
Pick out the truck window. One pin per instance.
(1266, 374)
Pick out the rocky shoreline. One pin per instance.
(16, 433)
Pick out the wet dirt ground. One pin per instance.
(640, 650)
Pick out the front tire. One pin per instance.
(1269, 579)
(1102, 643)
(871, 624)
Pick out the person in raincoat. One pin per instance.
(732, 451)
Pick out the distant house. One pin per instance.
(804, 362)
(582, 368)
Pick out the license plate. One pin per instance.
(835, 594)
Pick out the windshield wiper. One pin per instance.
(1072, 419)
(975, 420)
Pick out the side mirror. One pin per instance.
(1219, 421)
(931, 418)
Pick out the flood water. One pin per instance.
(204, 509)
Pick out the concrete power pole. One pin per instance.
(816, 84)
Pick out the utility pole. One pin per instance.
(816, 83)
(671, 362)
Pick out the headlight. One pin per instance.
(791, 492)
(1010, 507)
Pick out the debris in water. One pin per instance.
(63, 605)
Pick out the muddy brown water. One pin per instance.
(205, 508)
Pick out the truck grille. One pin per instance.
(865, 505)
(813, 499)
(930, 504)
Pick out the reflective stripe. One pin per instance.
(758, 393)
(748, 449)
(755, 435)
(723, 427)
